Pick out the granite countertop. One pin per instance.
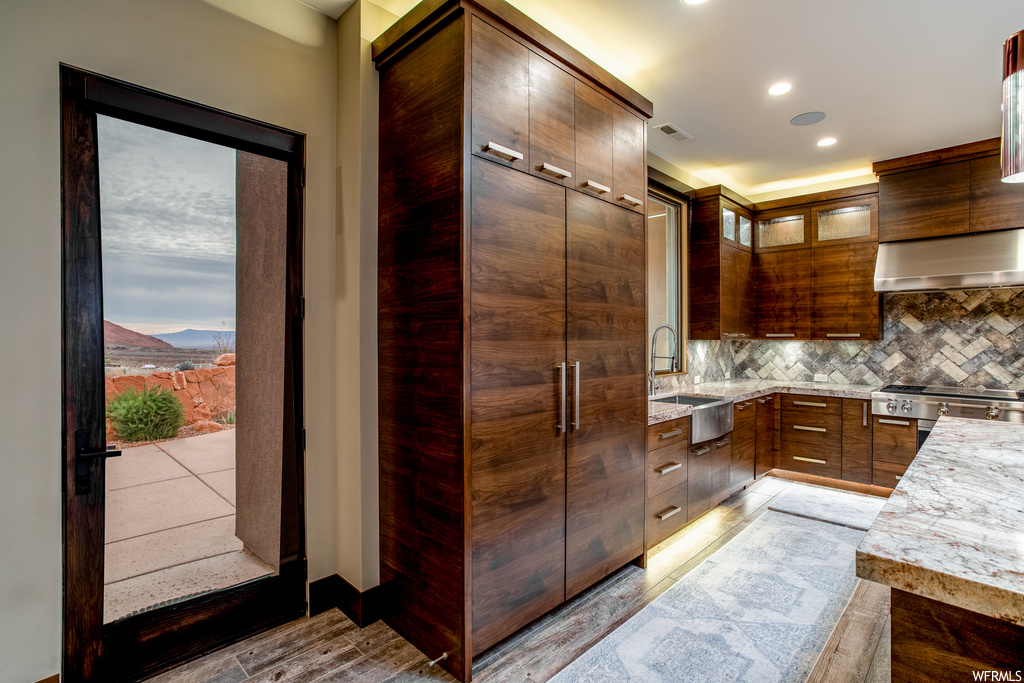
(953, 530)
(746, 389)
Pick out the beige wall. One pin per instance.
(193, 50)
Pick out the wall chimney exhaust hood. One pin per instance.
(977, 261)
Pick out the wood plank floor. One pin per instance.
(329, 648)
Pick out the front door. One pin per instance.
(182, 415)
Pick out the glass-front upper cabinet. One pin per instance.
(845, 222)
(666, 286)
(736, 226)
(783, 229)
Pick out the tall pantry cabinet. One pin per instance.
(511, 325)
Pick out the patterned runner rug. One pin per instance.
(758, 610)
(828, 505)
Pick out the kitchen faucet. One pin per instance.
(673, 357)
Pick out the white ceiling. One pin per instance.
(894, 77)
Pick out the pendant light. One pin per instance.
(1013, 109)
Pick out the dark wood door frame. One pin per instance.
(143, 644)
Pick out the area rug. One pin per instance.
(758, 610)
(828, 505)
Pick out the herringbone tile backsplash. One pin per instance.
(966, 338)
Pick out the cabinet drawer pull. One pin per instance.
(562, 427)
(702, 450)
(809, 429)
(554, 170)
(814, 460)
(665, 514)
(668, 435)
(842, 335)
(632, 200)
(769, 399)
(668, 467)
(723, 442)
(899, 423)
(898, 476)
(865, 407)
(601, 189)
(502, 151)
(780, 336)
(576, 398)
(810, 404)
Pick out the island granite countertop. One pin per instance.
(746, 390)
(953, 529)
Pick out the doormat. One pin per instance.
(829, 505)
(759, 610)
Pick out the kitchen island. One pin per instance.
(950, 544)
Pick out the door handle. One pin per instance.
(576, 397)
(561, 411)
(84, 458)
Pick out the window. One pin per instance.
(666, 283)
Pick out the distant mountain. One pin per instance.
(198, 339)
(115, 335)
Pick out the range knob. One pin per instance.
(891, 406)
(907, 407)
(943, 409)
(992, 413)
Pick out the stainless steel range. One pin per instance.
(927, 404)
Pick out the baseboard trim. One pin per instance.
(868, 489)
(362, 607)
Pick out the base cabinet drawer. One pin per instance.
(672, 433)
(823, 461)
(824, 405)
(819, 429)
(887, 474)
(894, 440)
(666, 469)
(666, 514)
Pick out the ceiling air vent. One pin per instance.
(673, 132)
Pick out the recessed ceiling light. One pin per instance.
(825, 142)
(780, 89)
(808, 118)
(694, 2)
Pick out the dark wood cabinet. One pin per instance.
(894, 445)
(811, 435)
(721, 270)
(500, 84)
(782, 285)
(552, 121)
(606, 452)
(844, 302)
(765, 451)
(511, 311)
(708, 475)
(856, 457)
(629, 156)
(667, 470)
(743, 446)
(947, 191)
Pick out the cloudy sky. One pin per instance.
(167, 215)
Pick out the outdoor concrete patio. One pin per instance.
(170, 524)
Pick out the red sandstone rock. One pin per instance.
(207, 427)
(225, 359)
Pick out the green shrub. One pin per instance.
(147, 415)
(228, 419)
(185, 365)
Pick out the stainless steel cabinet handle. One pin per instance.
(702, 450)
(814, 460)
(780, 336)
(842, 335)
(562, 370)
(667, 435)
(767, 399)
(811, 404)
(809, 429)
(865, 407)
(576, 398)
(901, 423)
(632, 200)
(554, 170)
(898, 477)
(668, 467)
(665, 514)
(723, 442)
(601, 189)
(502, 151)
